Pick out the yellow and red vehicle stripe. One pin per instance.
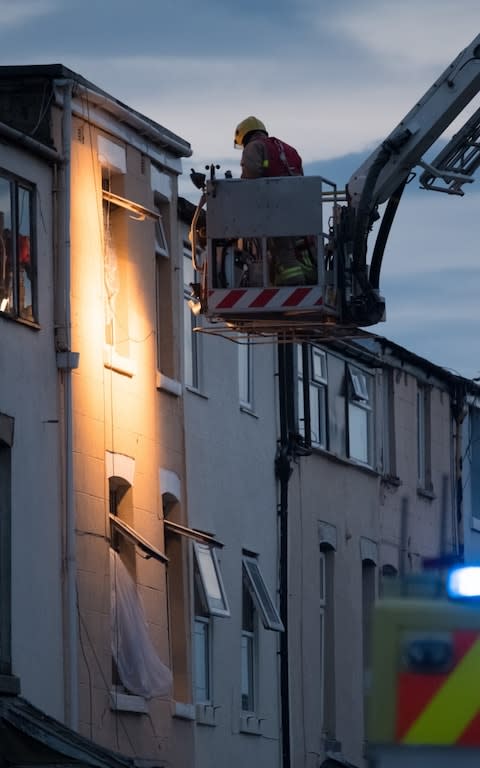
(442, 708)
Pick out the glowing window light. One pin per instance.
(464, 582)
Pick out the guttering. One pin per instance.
(64, 339)
(30, 143)
(155, 133)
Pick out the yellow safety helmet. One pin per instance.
(247, 126)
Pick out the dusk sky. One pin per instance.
(331, 78)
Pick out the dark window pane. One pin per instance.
(6, 260)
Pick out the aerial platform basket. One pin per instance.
(252, 228)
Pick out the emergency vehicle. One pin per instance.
(239, 224)
(424, 703)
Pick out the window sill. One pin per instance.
(475, 524)
(206, 714)
(248, 411)
(115, 362)
(345, 460)
(183, 711)
(251, 724)
(391, 480)
(194, 391)
(166, 384)
(426, 493)
(127, 702)
(33, 324)
(10, 685)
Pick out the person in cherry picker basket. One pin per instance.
(267, 156)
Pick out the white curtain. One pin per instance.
(139, 666)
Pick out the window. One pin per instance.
(161, 242)
(136, 667)
(210, 580)
(388, 424)
(322, 607)
(202, 646)
(326, 642)
(423, 438)
(249, 654)
(178, 590)
(115, 264)
(255, 583)
(245, 374)
(121, 508)
(312, 395)
(191, 347)
(360, 438)
(209, 600)
(256, 602)
(6, 436)
(18, 279)
(166, 272)
(471, 462)
(368, 600)
(388, 580)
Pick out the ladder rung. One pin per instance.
(457, 162)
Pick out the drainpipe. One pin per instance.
(283, 470)
(459, 413)
(66, 361)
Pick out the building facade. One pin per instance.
(231, 407)
(193, 529)
(369, 448)
(376, 499)
(92, 434)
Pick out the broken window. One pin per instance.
(18, 280)
(139, 666)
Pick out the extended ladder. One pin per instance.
(457, 162)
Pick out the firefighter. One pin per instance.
(264, 155)
(267, 156)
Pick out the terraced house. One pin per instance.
(193, 529)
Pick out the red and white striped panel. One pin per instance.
(254, 300)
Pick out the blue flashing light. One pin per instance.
(463, 582)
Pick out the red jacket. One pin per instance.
(268, 156)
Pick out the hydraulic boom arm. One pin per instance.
(416, 133)
(383, 175)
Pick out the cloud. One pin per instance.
(333, 79)
(433, 232)
(16, 13)
(436, 315)
(410, 36)
(330, 79)
(171, 27)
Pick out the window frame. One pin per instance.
(191, 350)
(423, 409)
(360, 401)
(388, 456)
(322, 614)
(216, 605)
(202, 618)
(162, 242)
(6, 426)
(245, 374)
(260, 593)
(17, 184)
(249, 653)
(312, 386)
(471, 462)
